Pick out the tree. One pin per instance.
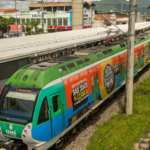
(148, 7)
(4, 22)
(22, 27)
(34, 24)
(28, 26)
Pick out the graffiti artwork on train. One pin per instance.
(79, 93)
(135, 59)
(116, 68)
(109, 77)
(146, 52)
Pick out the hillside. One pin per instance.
(107, 5)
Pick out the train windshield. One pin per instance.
(16, 104)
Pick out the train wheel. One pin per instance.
(66, 137)
(15, 148)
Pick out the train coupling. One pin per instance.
(7, 145)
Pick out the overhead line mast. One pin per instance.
(42, 18)
(130, 60)
(16, 16)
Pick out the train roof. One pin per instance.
(39, 75)
(22, 47)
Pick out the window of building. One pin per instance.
(55, 101)
(68, 8)
(18, 21)
(44, 20)
(54, 22)
(65, 22)
(23, 20)
(28, 20)
(61, 8)
(60, 22)
(49, 9)
(43, 115)
(49, 21)
(54, 9)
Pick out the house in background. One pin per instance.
(116, 18)
(58, 15)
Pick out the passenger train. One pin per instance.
(42, 103)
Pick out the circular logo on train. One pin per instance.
(109, 77)
(146, 52)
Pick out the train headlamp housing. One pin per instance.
(26, 130)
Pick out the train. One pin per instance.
(42, 103)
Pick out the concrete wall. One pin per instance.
(77, 14)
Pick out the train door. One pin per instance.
(139, 56)
(136, 61)
(141, 50)
(94, 83)
(57, 113)
(122, 66)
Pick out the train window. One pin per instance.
(63, 68)
(55, 103)
(43, 115)
(122, 45)
(110, 50)
(79, 62)
(143, 38)
(105, 52)
(72, 65)
(100, 55)
(86, 59)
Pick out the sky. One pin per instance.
(23, 5)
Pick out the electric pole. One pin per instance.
(42, 18)
(121, 7)
(16, 16)
(130, 59)
(91, 16)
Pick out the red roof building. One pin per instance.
(8, 10)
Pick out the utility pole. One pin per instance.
(42, 18)
(16, 15)
(121, 7)
(91, 16)
(130, 59)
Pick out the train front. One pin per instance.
(16, 111)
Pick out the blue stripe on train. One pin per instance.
(43, 131)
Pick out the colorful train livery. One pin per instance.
(41, 103)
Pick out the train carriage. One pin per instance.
(41, 103)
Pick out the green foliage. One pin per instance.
(148, 7)
(22, 27)
(4, 22)
(122, 132)
(34, 24)
(30, 25)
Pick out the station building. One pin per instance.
(57, 16)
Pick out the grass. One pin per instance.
(122, 132)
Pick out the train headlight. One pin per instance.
(28, 126)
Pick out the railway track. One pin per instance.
(81, 139)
